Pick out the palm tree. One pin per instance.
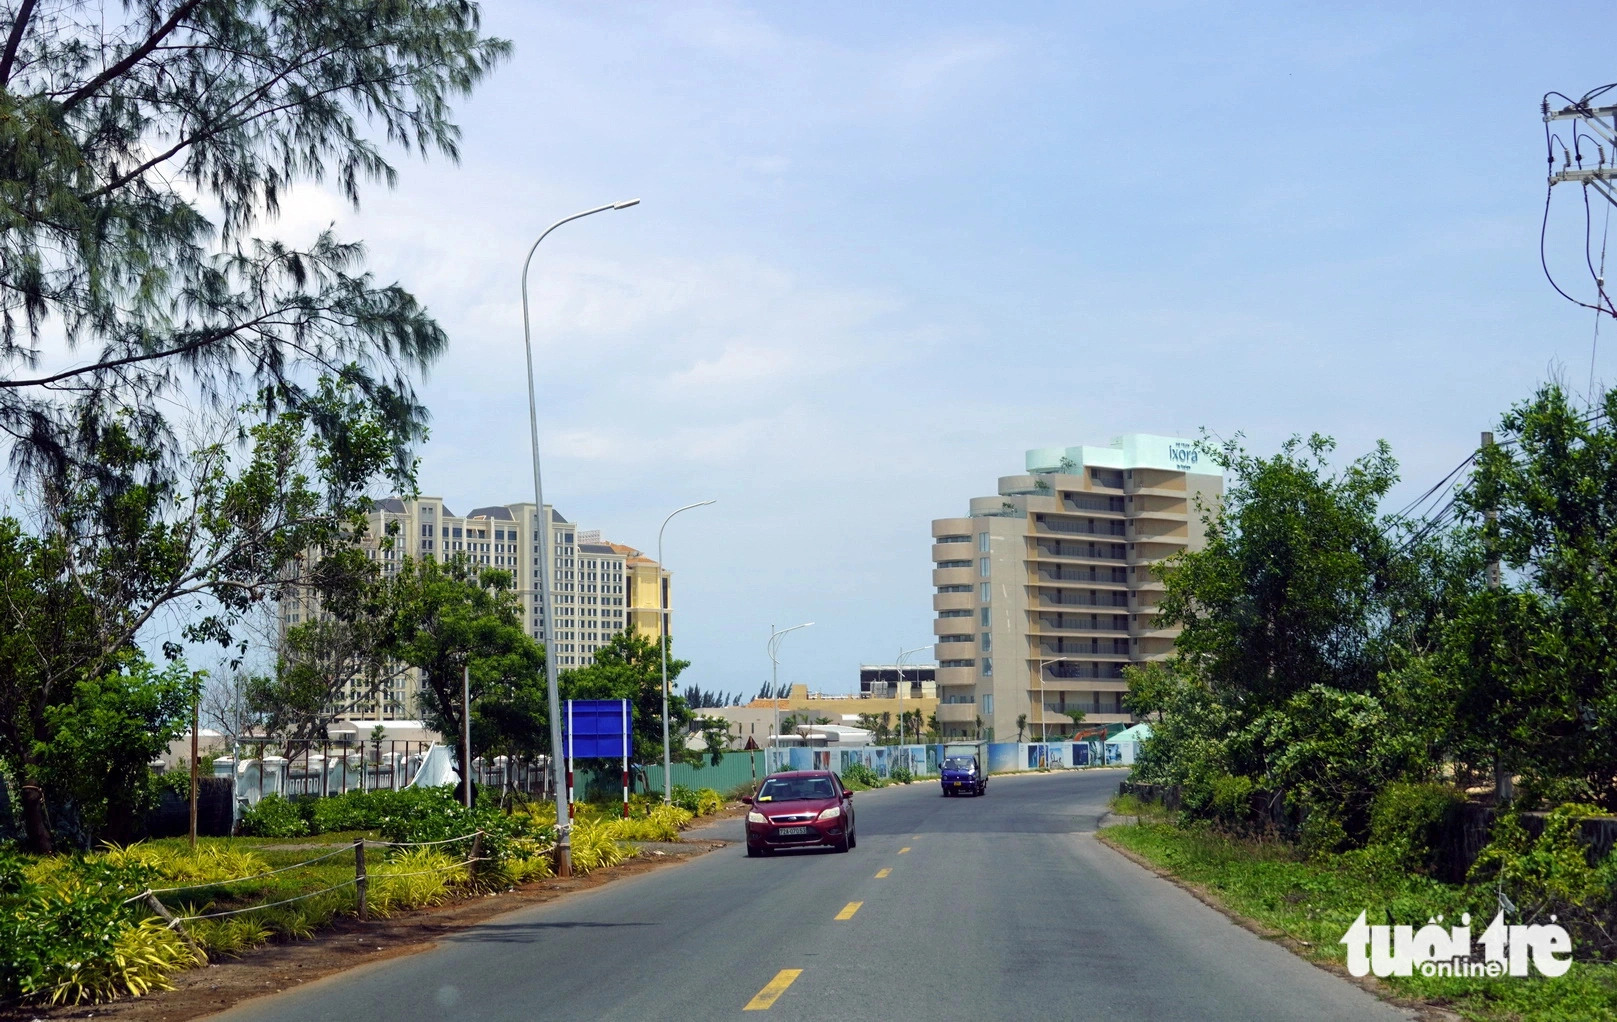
(1021, 725)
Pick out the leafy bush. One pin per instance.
(70, 935)
(901, 775)
(274, 816)
(1553, 874)
(1230, 799)
(859, 777)
(686, 799)
(1409, 820)
(435, 814)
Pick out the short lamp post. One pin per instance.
(1042, 665)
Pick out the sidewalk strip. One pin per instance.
(882, 873)
(772, 990)
(847, 913)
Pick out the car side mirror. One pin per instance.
(847, 794)
(747, 799)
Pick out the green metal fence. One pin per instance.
(737, 768)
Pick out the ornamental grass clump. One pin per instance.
(209, 864)
(414, 878)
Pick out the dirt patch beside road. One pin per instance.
(345, 945)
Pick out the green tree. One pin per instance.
(1077, 718)
(444, 618)
(1306, 612)
(1295, 578)
(1021, 725)
(138, 155)
(629, 667)
(105, 737)
(1533, 662)
(933, 731)
(235, 530)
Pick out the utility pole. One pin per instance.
(466, 733)
(1503, 786)
(196, 717)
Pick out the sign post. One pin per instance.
(598, 729)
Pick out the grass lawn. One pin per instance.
(1315, 901)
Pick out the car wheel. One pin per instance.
(853, 838)
(843, 845)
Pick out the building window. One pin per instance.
(953, 539)
(988, 702)
(983, 567)
(985, 617)
(987, 591)
(987, 642)
(988, 668)
(954, 564)
(982, 542)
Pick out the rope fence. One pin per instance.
(360, 879)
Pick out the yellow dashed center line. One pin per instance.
(906, 848)
(766, 998)
(848, 911)
(880, 873)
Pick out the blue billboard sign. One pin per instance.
(597, 728)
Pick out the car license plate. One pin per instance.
(793, 831)
(960, 784)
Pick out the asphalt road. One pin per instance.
(1003, 907)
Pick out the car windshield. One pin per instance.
(787, 789)
(959, 763)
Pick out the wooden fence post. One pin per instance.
(157, 906)
(361, 881)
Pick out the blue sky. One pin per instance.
(884, 248)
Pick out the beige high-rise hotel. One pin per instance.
(598, 588)
(1044, 592)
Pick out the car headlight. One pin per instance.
(832, 813)
(756, 817)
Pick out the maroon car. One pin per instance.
(800, 809)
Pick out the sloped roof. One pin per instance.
(497, 511)
(1137, 733)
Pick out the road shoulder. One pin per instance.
(349, 944)
(1302, 949)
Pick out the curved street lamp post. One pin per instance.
(662, 600)
(774, 670)
(564, 842)
(901, 655)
